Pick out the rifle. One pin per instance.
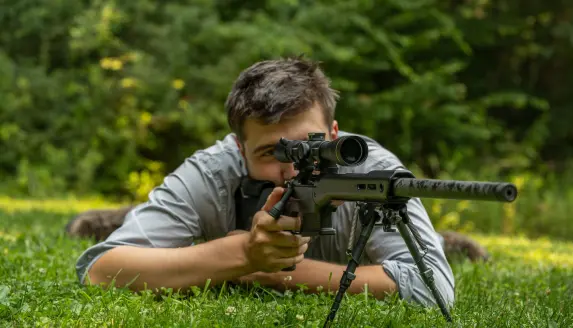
(381, 196)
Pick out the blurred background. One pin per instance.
(103, 98)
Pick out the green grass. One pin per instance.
(528, 284)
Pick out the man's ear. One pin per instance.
(240, 146)
(334, 130)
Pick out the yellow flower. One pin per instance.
(155, 166)
(467, 227)
(141, 183)
(116, 65)
(113, 64)
(449, 221)
(105, 63)
(145, 118)
(107, 13)
(519, 181)
(437, 208)
(128, 82)
(463, 205)
(178, 84)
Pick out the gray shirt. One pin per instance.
(197, 201)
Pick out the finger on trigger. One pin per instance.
(274, 197)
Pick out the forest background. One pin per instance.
(104, 98)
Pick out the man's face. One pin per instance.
(260, 141)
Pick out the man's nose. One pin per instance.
(288, 171)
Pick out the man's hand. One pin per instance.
(270, 248)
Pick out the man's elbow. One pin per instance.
(412, 288)
(98, 272)
(424, 296)
(93, 275)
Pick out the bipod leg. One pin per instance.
(403, 224)
(368, 220)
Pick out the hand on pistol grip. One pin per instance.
(272, 245)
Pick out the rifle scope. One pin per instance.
(344, 151)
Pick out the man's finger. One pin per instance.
(289, 261)
(286, 252)
(273, 198)
(336, 203)
(267, 222)
(280, 239)
(287, 239)
(297, 240)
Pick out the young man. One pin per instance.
(153, 246)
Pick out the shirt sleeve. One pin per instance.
(389, 248)
(171, 216)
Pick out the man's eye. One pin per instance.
(267, 153)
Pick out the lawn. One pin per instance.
(527, 284)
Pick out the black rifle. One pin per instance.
(381, 194)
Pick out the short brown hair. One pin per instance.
(272, 89)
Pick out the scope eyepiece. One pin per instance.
(344, 151)
(288, 151)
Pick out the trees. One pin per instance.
(96, 93)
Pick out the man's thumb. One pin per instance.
(273, 198)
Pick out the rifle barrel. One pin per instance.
(454, 189)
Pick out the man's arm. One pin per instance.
(265, 248)
(314, 273)
(156, 239)
(177, 268)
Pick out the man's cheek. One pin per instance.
(271, 172)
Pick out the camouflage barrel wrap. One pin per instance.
(454, 189)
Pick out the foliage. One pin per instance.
(38, 285)
(95, 94)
